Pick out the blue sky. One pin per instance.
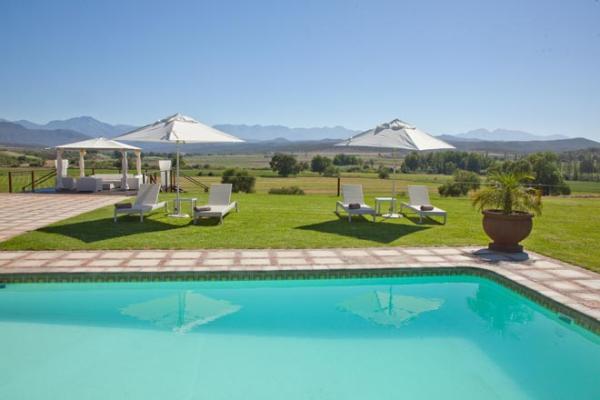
(445, 66)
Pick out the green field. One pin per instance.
(567, 229)
(266, 179)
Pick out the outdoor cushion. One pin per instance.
(426, 208)
(201, 208)
(122, 206)
(354, 206)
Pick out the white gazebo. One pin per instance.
(97, 144)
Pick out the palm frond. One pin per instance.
(507, 192)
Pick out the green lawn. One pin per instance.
(567, 230)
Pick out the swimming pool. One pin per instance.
(430, 337)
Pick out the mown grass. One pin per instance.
(567, 230)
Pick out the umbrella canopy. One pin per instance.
(385, 308)
(396, 134)
(179, 129)
(98, 144)
(181, 312)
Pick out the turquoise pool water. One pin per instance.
(456, 337)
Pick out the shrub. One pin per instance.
(331, 171)
(451, 189)
(383, 173)
(287, 190)
(303, 166)
(240, 179)
(284, 164)
(346, 159)
(319, 164)
(462, 181)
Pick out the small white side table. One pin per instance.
(177, 205)
(392, 210)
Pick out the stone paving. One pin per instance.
(574, 287)
(23, 212)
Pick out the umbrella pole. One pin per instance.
(393, 206)
(177, 210)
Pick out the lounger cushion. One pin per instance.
(122, 206)
(363, 209)
(417, 209)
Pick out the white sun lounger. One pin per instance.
(219, 201)
(419, 196)
(145, 202)
(353, 194)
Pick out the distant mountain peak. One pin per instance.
(505, 135)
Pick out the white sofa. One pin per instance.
(89, 184)
(133, 181)
(69, 183)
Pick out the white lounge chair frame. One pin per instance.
(354, 194)
(219, 201)
(145, 202)
(419, 196)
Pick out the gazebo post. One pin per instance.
(124, 167)
(138, 162)
(82, 162)
(59, 165)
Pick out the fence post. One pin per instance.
(338, 186)
(32, 181)
(93, 170)
(9, 182)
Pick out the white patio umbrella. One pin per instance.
(178, 129)
(396, 135)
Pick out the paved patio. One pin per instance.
(571, 286)
(23, 212)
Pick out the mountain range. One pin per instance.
(265, 138)
(16, 134)
(87, 125)
(255, 133)
(504, 135)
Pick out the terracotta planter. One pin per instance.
(506, 231)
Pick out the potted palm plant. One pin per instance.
(508, 208)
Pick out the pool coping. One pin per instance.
(561, 287)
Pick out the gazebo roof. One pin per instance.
(97, 144)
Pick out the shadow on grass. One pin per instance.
(106, 228)
(426, 220)
(361, 228)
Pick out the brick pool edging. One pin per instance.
(562, 287)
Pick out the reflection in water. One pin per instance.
(181, 312)
(385, 308)
(498, 311)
